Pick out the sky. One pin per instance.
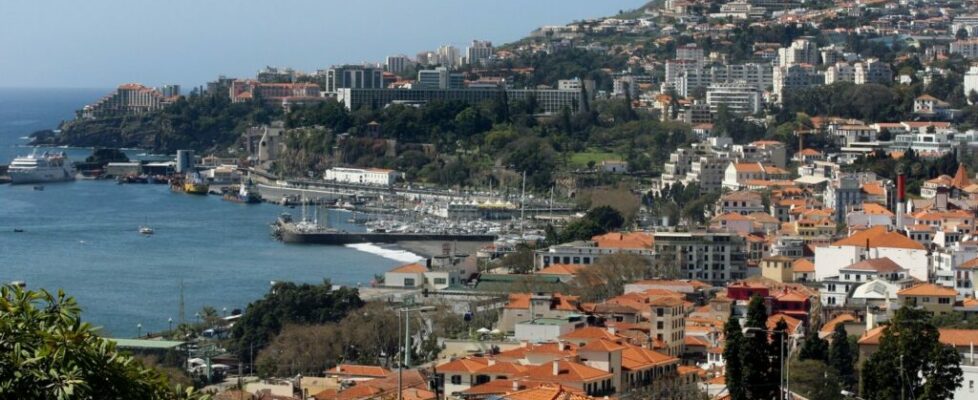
(102, 43)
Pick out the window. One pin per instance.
(658, 325)
(440, 281)
(660, 311)
(456, 379)
(944, 300)
(925, 299)
(408, 282)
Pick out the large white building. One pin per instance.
(397, 64)
(876, 242)
(968, 48)
(971, 81)
(759, 76)
(801, 51)
(872, 71)
(361, 176)
(840, 72)
(740, 98)
(795, 76)
(479, 52)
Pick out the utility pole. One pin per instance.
(523, 207)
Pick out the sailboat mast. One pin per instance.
(523, 206)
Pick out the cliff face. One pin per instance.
(203, 123)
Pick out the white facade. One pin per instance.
(397, 64)
(971, 81)
(840, 72)
(829, 260)
(371, 176)
(801, 51)
(739, 97)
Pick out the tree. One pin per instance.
(47, 352)
(814, 380)
(519, 261)
(607, 277)
(841, 356)
(286, 303)
(606, 217)
(814, 348)
(733, 354)
(911, 362)
(758, 380)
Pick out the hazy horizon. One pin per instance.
(64, 44)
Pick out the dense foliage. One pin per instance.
(911, 362)
(47, 352)
(597, 221)
(290, 303)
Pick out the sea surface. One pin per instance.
(82, 237)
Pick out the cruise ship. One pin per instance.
(46, 167)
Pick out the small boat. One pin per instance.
(18, 230)
(39, 188)
(145, 230)
(245, 194)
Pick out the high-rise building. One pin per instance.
(440, 78)
(448, 56)
(740, 98)
(791, 77)
(840, 72)
(872, 71)
(479, 52)
(967, 48)
(801, 51)
(353, 77)
(397, 64)
(169, 90)
(130, 98)
(756, 75)
(715, 258)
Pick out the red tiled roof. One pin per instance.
(879, 236)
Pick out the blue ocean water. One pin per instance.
(82, 237)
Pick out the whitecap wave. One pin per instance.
(393, 254)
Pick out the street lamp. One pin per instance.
(169, 321)
(139, 330)
(750, 331)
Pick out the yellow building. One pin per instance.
(930, 297)
(778, 268)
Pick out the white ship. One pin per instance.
(46, 167)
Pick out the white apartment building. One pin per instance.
(690, 52)
(715, 258)
(479, 52)
(968, 48)
(801, 51)
(793, 76)
(397, 64)
(876, 242)
(840, 72)
(872, 71)
(740, 98)
(759, 76)
(361, 176)
(836, 290)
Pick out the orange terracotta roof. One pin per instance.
(411, 269)
(928, 289)
(503, 368)
(589, 333)
(469, 365)
(619, 240)
(559, 301)
(876, 209)
(695, 341)
(881, 265)
(961, 177)
(803, 265)
(879, 236)
(970, 264)
(566, 372)
(602, 345)
(772, 322)
(637, 358)
(561, 269)
(829, 327)
(959, 337)
(547, 392)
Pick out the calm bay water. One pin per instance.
(81, 237)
